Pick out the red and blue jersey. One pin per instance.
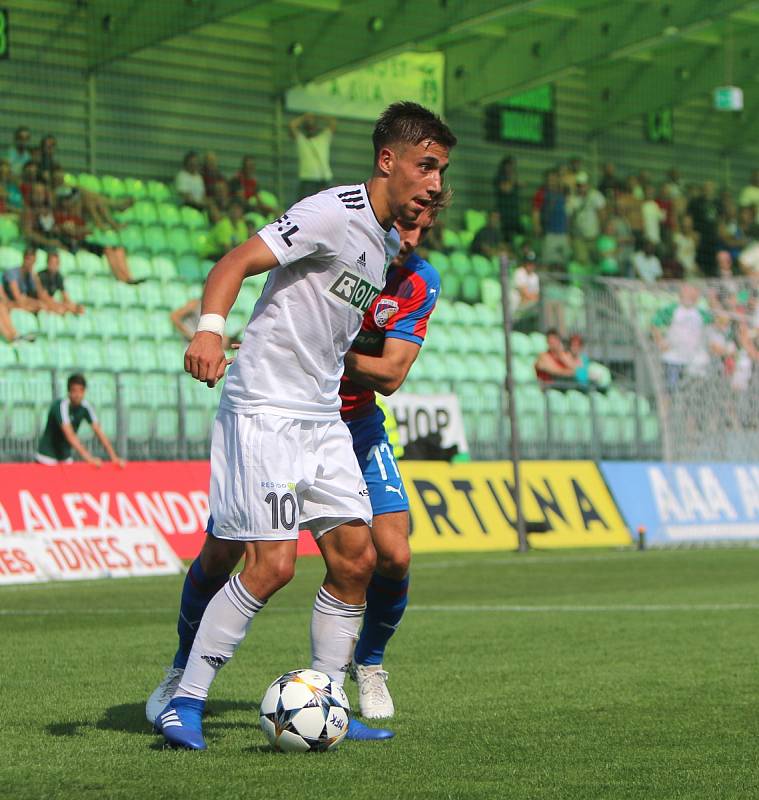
(400, 311)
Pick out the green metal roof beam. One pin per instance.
(314, 46)
(621, 91)
(115, 30)
(478, 71)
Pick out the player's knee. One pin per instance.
(359, 570)
(269, 576)
(395, 564)
(219, 556)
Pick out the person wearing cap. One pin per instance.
(586, 211)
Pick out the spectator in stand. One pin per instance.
(619, 229)
(189, 183)
(244, 185)
(433, 242)
(48, 147)
(185, 319)
(96, 208)
(737, 228)
(218, 202)
(749, 195)
(7, 330)
(38, 220)
(608, 251)
(569, 173)
(488, 240)
(72, 231)
(674, 190)
(23, 288)
(579, 361)
(721, 339)
(653, 216)
(646, 263)
(586, 209)
(228, 232)
(11, 199)
(705, 211)
(63, 420)
(527, 281)
(313, 143)
(609, 184)
(211, 172)
(549, 219)
(30, 174)
(725, 271)
(685, 241)
(553, 365)
(507, 187)
(629, 206)
(52, 282)
(679, 331)
(18, 153)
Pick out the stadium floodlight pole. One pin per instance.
(514, 438)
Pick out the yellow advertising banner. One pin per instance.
(470, 506)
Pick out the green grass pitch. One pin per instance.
(552, 675)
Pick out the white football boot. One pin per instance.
(373, 697)
(163, 693)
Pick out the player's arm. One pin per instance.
(205, 359)
(384, 373)
(106, 442)
(76, 443)
(546, 364)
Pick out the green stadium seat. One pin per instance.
(34, 354)
(118, 355)
(199, 241)
(24, 322)
(465, 239)
(164, 268)
(112, 187)
(451, 239)
(619, 403)
(158, 191)
(557, 402)
(475, 220)
(256, 220)
(188, 267)
(160, 326)
(175, 295)
(206, 265)
(439, 260)
(197, 395)
(521, 344)
(471, 291)
(179, 241)
(9, 230)
(496, 368)
(101, 390)
(644, 407)
(90, 264)
(67, 263)
(160, 389)
(89, 182)
(650, 428)
(167, 423)
(452, 286)
(88, 355)
(491, 292)
(149, 294)
(578, 403)
(460, 263)
(134, 188)
(481, 266)
(523, 370)
(140, 267)
(135, 323)
(532, 427)
(10, 258)
(143, 356)
(7, 355)
(139, 424)
(132, 239)
(155, 240)
(168, 215)
(268, 198)
(123, 295)
(24, 422)
(192, 218)
(105, 237)
(530, 399)
(538, 343)
(601, 374)
(465, 313)
(197, 424)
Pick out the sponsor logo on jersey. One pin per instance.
(369, 342)
(354, 291)
(384, 310)
(361, 261)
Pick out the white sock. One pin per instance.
(334, 630)
(222, 629)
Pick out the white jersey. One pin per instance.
(333, 255)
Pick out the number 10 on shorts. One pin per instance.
(284, 510)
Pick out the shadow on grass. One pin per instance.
(130, 718)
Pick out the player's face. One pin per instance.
(76, 394)
(415, 176)
(412, 234)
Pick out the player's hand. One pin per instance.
(95, 461)
(120, 462)
(205, 359)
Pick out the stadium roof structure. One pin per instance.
(636, 55)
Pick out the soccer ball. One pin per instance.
(304, 710)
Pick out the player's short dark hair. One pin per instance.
(410, 123)
(552, 332)
(77, 379)
(30, 250)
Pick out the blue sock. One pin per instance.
(386, 601)
(197, 592)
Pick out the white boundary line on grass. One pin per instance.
(432, 609)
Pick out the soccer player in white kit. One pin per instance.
(281, 457)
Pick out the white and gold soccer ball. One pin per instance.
(304, 710)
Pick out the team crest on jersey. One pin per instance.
(354, 291)
(384, 310)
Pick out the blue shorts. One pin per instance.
(377, 461)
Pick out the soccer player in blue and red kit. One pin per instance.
(391, 336)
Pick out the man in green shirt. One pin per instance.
(63, 420)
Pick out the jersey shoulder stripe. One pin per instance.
(353, 199)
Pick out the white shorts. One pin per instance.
(271, 475)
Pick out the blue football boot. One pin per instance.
(359, 732)
(181, 723)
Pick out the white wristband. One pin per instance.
(214, 323)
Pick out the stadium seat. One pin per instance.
(268, 199)
(118, 355)
(132, 239)
(439, 261)
(149, 294)
(460, 263)
(520, 344)
(471, 291)
(206, 265)
(164, 268)
(160, 388)
(188, 267)
(197, 424)
(24, 422)
(482, 267)
(167, 423)
(256, 220)
(192, 218)
(179, 242)
(112, 186)
(160, 327)
(139, 423)
(158, 191)
(155, 240)
(134, 188)
(24, 322)
(7, 355)
(143, 356)
(491, 292)
(168, 215)
(175, 295)
(199, 241)
(105, 237)
(90, 264)
(451, 239)
(136, 323)
(89, 182)
(538, 343)
(10, 258)
(9, 230)
(523, 371)
(475, 220)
